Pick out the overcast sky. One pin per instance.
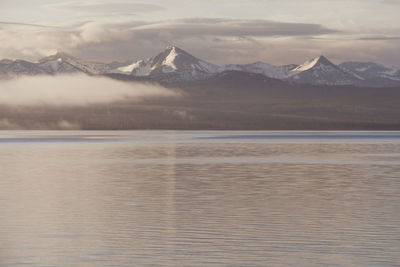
(219, 31)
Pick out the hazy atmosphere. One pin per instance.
(219, 31)
(200, 133)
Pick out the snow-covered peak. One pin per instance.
(176, 62)
(172, 64)
(64, 63)
(172, 57)
(321, 71)
(176, 59)
(321, 60)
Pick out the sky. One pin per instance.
(219, 31)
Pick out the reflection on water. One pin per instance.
(199, 199)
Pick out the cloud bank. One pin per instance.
(74, 90)
(137, 39)
(218, 40)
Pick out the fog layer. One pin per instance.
(74, 90)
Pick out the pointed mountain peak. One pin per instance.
(172, 52)
(321, 60)
(172, 64)
(174, 58)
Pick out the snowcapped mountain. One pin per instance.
(176, 65)
(321, 71)
(277, 72)
(64, 63)
(173, 64)
(370, 70)
(56, 64)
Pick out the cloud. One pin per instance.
(10, 23)
(217, 40)
(228, 27)
(27, 42)
(9, 124)
(32, 43)
(107, 8)
(74, 90)
(379, 38)
(170, 31)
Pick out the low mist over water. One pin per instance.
(73, 90)
(200, 199)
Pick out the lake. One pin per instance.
(199, 198)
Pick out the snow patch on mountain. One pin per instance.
(169, 62)
(309, 65)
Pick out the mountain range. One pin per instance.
(174, 65)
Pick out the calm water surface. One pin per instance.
(199, 199)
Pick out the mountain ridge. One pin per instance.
(176, 65)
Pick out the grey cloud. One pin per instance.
(99, 39)
(198, 33)
(226, 27)
(116, 7)
(216, 40)
(142, 40)
(379, 38)
(9, 23)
